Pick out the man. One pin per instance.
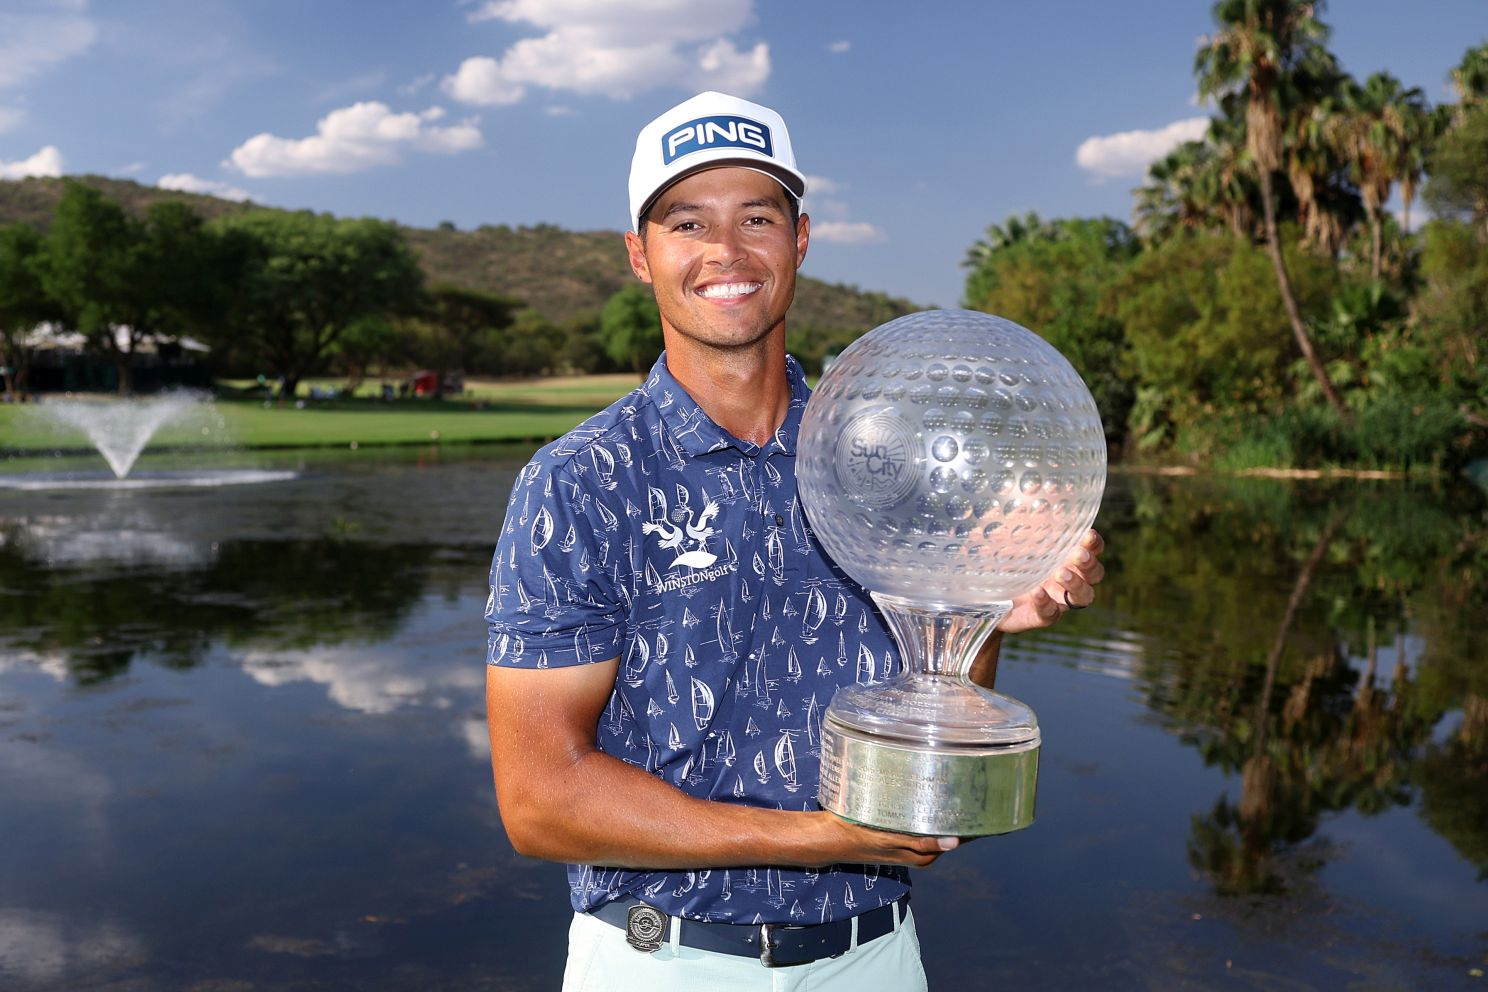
(653, 692)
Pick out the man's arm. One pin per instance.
(1071, 587)
(562, 799)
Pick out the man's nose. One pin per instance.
(726, 247)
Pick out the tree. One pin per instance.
(23, 302)
(462, 330)
(1470, 77)
(1258, 45)
(630, 328)
(89, 266)
(305, 279)
(1380, 123)
(1056, 284)
(1459, 170)
(533, 345)
(1205, 333)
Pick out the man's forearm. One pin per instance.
(603, 811)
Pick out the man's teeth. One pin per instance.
(728, 290)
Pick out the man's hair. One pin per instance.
(793, 204)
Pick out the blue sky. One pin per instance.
(919, 123)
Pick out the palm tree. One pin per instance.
(1258, 45)
(1200, 184)
(1029, 227)
(1315, 166)
(1175, 198)
(1470, 77)
(1379, 122)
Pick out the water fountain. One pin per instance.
(120, 430)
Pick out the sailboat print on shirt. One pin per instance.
(723, 624)
(635, 663)
(816, 613)
(542, 530)
(785, 760)
(607, 518)
(702, 703)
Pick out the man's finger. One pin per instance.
(1093, 542)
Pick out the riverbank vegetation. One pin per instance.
(1265, 309)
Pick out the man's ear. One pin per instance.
(636, 249)
(803, 238)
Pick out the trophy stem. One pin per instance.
(939, 640)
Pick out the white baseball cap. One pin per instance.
(710, 130)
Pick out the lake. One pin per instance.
(242, 745)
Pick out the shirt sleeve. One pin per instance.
(555, 598)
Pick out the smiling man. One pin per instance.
(654, 687)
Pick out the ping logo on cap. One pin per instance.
(724, 131)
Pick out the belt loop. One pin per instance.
(852, 942)
(895, 904)
(676, 936)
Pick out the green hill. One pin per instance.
(561, 274)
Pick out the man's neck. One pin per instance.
(744, 391)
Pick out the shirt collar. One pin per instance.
(697, 434)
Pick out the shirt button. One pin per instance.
(779, 520)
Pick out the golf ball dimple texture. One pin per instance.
(951, 456)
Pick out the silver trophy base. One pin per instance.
(921, 789)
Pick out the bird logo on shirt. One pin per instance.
(683, 530)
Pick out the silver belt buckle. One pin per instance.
(644, 927)
(767, 944)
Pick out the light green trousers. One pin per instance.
(599, 960)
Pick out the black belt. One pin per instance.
(775, 944)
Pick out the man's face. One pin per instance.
(721, 253)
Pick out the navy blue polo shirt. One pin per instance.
(651, 535)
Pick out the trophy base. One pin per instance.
(919, 788)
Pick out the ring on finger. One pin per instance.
(1070, 605)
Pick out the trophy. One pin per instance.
(949, 461)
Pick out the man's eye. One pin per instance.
(686, 226)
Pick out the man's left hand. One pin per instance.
(1071, 587)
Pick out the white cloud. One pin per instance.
(1130, 152)
(839, 47)
(47, 162)
(847, 232)
(133, 168)
(40, 946)
(600, 47)
(822, 186)
(35, 36)
(373, 679)
(417, 83)
(347, 89)
(187, 183)
(11, 117)
(353, 139)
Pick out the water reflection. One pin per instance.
(241, 744)
(1316, 648)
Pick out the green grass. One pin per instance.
(515, 411)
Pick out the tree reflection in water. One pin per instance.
(1281, 597)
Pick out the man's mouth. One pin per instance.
(727, 290)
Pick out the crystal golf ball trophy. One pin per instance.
(949, 461)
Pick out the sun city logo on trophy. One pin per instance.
(874, 456)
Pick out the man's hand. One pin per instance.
(1071, 587)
